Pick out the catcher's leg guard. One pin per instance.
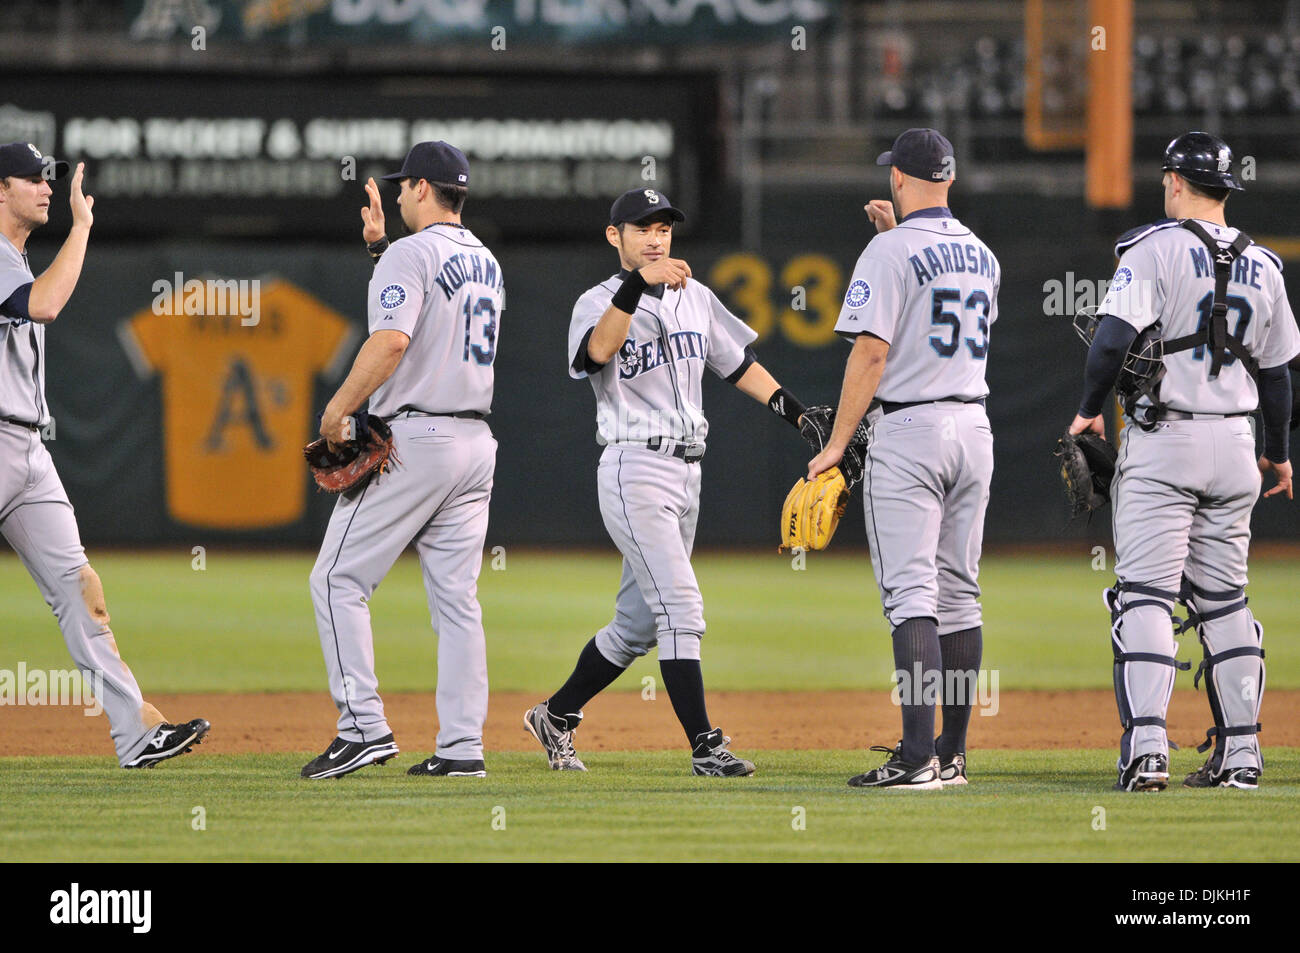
(1142, 638)
(1233, 669)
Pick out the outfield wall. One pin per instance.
(185, 429)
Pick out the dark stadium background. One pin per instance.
(770, 150)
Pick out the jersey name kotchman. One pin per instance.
(463, 267)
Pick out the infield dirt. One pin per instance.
(624, 721)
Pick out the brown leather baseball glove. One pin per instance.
(352, 463)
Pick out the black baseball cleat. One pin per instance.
(898, 775)
(344, 757)
(1150, 772)
(555, 733)
(168, 741)
(953, 770)
(436, 767)
(1245, 779)
(710, 757)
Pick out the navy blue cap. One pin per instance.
(435, 161)
(922, 154)
(637, 204)
(23, 159)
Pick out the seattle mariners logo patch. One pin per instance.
(1122, 279)
(859, 294)
(629, 359)
(392, 297)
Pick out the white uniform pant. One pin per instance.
(38, 521)
(650, 504)
(437, 497)
(925, 491)
(1182, 496)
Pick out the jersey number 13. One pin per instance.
(487, 330)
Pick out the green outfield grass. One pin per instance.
(633, 807)
(246, 623)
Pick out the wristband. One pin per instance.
(627, 296)
(377, 248)
(785, 404)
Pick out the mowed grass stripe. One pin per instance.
(1039, 806)
(245, 623)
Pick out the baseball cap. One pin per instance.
(435, 161)
(23, 159)
(920, 153)
(636, 204)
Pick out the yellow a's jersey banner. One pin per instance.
(237, 402)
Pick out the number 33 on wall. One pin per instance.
(811, 289)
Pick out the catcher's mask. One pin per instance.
(1144, 364)
(1143, 368)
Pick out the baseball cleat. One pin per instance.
(344, 757)
(436, 767)
(1245, 779)
(1150, 772)
(710, 757)
(168, 741)
(555, 734)
(898, 775)
(953, 771)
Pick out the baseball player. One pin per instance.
(643, 338)
(1187, 477)
(919, 310)
(433, 303)
(35, 515)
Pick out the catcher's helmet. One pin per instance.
(1201, 158)
(1144, 364)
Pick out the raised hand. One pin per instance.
(373, 217)
(81, 204)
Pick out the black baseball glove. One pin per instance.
(1087, 468)
(816, 425)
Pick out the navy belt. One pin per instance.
(462, 414)
(682, 451)
(889, 406)
(21, 423)
(1184, 415)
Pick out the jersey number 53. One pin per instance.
(941, 316)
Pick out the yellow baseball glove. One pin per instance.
(813, 510)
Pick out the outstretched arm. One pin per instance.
(861, 378)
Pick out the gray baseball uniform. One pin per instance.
(1184, 491)
(649, 417)
(443, 289)
(38, 521)
(928, 287)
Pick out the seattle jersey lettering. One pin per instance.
(637, 357)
